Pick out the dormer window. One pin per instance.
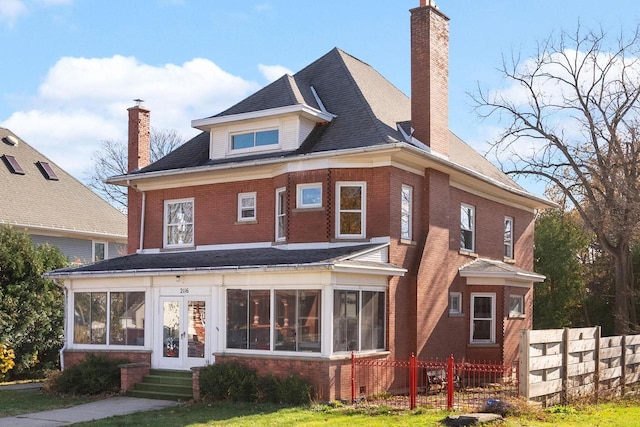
(243, 141)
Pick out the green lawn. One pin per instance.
(623, 413)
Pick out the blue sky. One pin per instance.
(70, 68)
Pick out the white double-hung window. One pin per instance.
(508, 237)
(483, 318)
(281, 214)
(406, 207)
(246, 207)
(467, 227)
(350, 209)
(178, 223)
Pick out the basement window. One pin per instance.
(47, 171)
(13, 165)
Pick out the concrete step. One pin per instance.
(165, 384)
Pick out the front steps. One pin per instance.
(165, 384)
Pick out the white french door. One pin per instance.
(183, 332)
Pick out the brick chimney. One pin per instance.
(139, 137)
(430, 76)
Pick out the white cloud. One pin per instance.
(54, 2)
(273, 72)
(10, 10)
(83, 101)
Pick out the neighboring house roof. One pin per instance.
(368, 110)
(62, 206)
(482, 268)
(235, 259)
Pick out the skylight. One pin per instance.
(13, 165)
(47, 171)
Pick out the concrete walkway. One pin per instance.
(86, 412)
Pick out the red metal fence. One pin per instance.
(437, 384)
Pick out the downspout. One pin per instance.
(64, 327)
(142, 211)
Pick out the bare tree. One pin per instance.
(572, 114)
(111, 160)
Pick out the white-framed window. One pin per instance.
(406, 212)
(508, 237)
(281, 214)
(249, 140)
(455, 303)
(467, 227)
(109, 318)
(350, 209)
(100, 251)
(246, 207)
(178, 220)
(274, 320)
(483, 318)
(516, 305)
(358, 320)
(309, 195)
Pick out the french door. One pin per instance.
(183, 331)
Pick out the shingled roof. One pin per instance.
(176, 262)
(368, 110)
(33, 201)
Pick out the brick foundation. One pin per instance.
(131, 374)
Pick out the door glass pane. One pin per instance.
(171, 329)
(197, 320)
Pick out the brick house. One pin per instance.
(328, 213)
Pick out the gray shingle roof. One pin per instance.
(482, 267)
(218, 259)
(31, 200)
(368, 109)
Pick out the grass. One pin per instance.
(16, 402)
(620, 413)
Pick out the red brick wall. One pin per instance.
(73, 357)
(331, 379)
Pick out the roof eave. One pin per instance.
(318, 116)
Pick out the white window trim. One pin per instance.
(93, 249)
(409, 214)
(459, 310)
(279, 215)
(243, 196)
(363, 210)
(473, 227)
(299, 200)
(514, 313)
(165, 236)
(492, 340)
(255, 147)
(508, 243)
(359, 290)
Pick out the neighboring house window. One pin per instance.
(483, 318)
(297, 320)
(516, 305)
(406, 212)
(455, 303)
(467, 227)
(508, 237)
(178, 218)
(281, 214)
(309, 196)
(247, 207)
(254, 139)
(350, 212)
(111, 318)
(99, 251)
(358, 320)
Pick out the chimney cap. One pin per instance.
(138, 101)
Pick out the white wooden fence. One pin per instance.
(561, 365)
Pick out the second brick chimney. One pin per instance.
(139, 138)
(430, 76)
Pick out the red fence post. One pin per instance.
(353, 378)
(450, 388)
(413, 389)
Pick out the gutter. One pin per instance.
(433, 157)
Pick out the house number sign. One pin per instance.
(184, 290)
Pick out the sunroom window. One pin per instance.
(112, 318)
(358, 320)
